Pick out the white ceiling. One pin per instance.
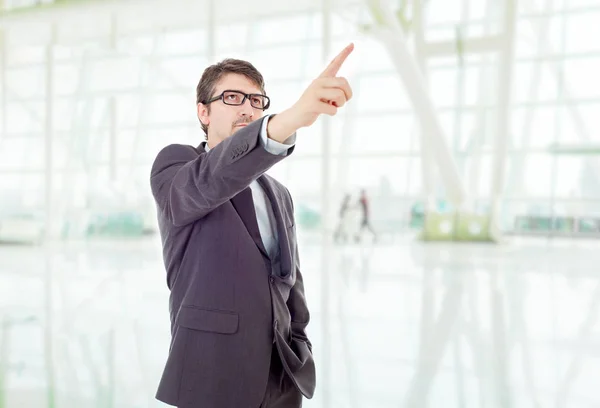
(33, 26)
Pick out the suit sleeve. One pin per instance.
(297, 305)
(187, 186)
(271, 145)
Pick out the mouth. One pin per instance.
(242, 125)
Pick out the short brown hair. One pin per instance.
(212, 75)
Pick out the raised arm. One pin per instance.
(187, 186)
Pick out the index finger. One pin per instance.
(335, 65)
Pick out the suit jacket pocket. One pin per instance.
(215, 321)
(295, 352)
(298, 361)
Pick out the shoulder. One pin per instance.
(178, 150)
(173, 154)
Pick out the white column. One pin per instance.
(326, 228)
(427, 164)
(500, 362)
(211, 34)
(49, 324)
(504, 105)
(112, 111)
(112, 152)
(50, 222)
(460, 40)
(112, 362)
(3, 83)
(4, 358)
(479, 136)
(558, 118)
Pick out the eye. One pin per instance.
(233, 98)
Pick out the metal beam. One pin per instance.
(516, 179)
(178, 14)
(581, 127)
(39, 6)
(392, 36)
(576, 149)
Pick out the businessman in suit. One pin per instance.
(237, 304)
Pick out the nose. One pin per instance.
(246, 109)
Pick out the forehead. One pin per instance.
(236, 82)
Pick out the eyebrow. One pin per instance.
(259, 92)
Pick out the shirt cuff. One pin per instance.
(270, 145)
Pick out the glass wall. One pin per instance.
(137, 84)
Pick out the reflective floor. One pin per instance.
(397, 324)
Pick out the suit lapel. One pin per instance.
(277, 204)
(244, 205)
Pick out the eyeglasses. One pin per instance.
(237, 98)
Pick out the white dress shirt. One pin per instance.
(262, 206)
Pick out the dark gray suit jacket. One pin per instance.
(229, 301)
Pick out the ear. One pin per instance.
(203, 114)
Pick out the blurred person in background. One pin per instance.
(341, 232)
(365, 222)
(237, 303)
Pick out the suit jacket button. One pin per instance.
(272, 279)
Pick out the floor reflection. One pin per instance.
(407, 324)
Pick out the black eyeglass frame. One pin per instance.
(246, 96)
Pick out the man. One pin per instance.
(341, 232)
(365, 220)
(237, 304)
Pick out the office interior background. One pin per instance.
(473, 130)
